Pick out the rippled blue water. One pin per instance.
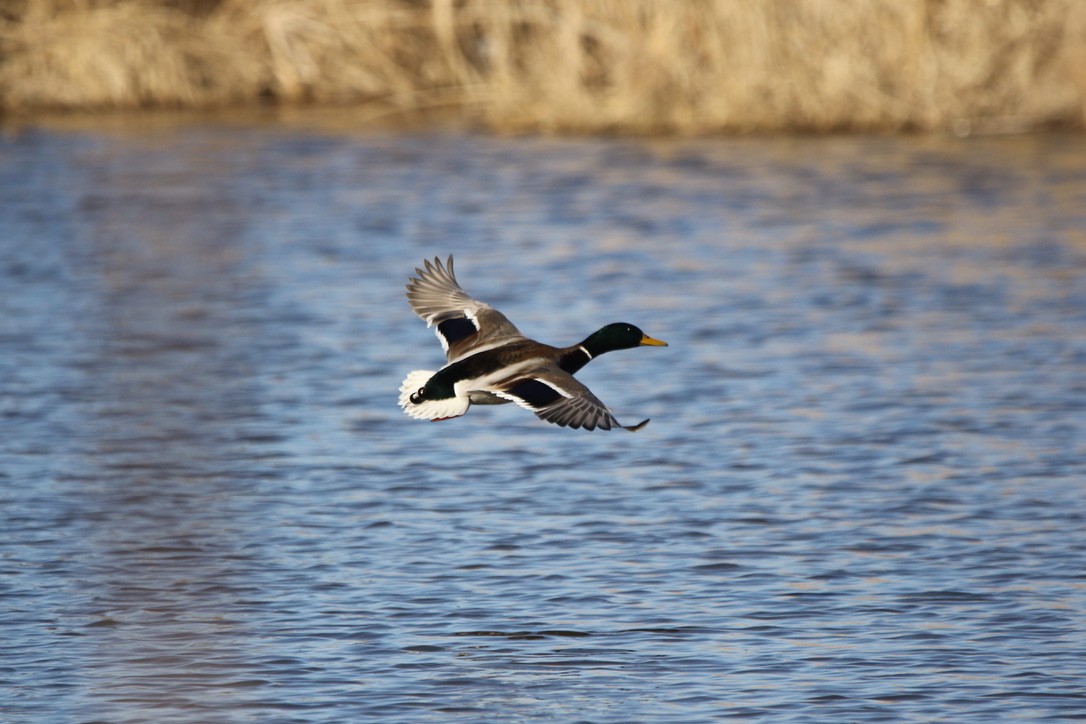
(860, 497)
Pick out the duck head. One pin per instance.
(619, 335)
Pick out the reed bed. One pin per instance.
(628, 66)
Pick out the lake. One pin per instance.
(860, 498)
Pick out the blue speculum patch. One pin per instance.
(454, 330)
(535, 393)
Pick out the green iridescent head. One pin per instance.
(619, 335)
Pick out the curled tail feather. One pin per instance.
(429, 409)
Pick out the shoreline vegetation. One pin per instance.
(676, 67)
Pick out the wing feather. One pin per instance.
(464, 324)
(571, 404)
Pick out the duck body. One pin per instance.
(490, 362)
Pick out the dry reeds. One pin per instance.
(641, 66)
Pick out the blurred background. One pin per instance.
(585, 66)
(861, 226)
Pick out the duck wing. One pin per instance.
(557, 397)
(464, 324)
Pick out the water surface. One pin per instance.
(860, 497)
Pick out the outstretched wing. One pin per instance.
(464, 325)
(556, 396)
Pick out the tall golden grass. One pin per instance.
(631, 66)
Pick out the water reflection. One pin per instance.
(858, 496)
(172, 406)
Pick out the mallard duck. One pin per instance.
(491, 363)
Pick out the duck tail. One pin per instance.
(429, 409)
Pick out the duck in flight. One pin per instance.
(491, 363)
